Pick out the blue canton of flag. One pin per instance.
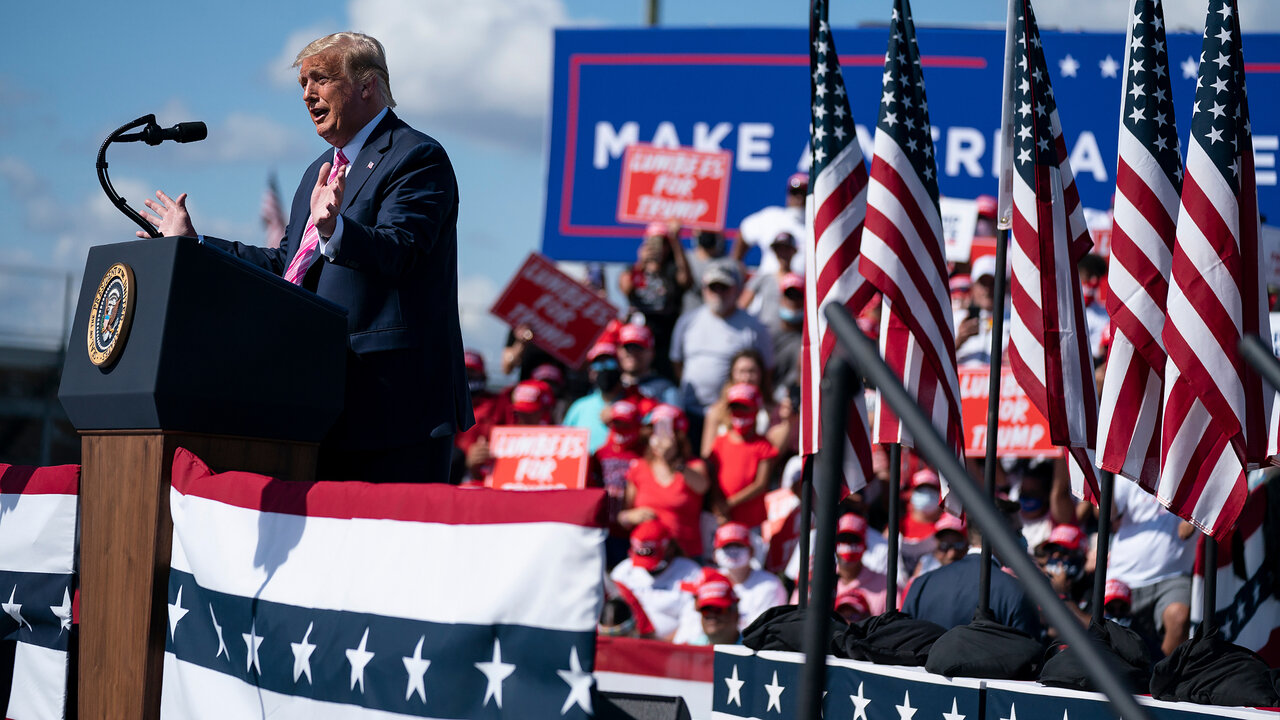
(349, 600)
(37, 563)
(834, 212)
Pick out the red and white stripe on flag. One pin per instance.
(1148, 183)
(37, 566)
(1215, 409)
(902, 247)
(1049, 342)
(835, 210)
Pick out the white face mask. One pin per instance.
(925, 498)
(732, 557)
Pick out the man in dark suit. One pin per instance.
(373, 228)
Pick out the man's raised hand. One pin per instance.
(170, 218)
(326, 199)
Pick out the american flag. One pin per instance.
(38, 509)
(1049, 342)
(1215, 410)
(356, 600)
(1148, 182)
(902, 248)
(834, 210)
(273, 220)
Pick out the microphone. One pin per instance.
(182, 132)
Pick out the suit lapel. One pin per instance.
(367, 161)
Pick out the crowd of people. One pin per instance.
(691, 404)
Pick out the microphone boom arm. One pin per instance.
(105, 180)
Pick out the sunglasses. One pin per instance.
(719, 288)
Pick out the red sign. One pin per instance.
(674, 184)
(530, 457)
(1023, 432)
(565, 316)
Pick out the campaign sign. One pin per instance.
(682, 184)
(747, 91)
(1023, 431)
(530, 457)
(565, 316)
(959, 222)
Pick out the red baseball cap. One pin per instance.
(798, 180)
(1116, 590)
(635, 335)
(649, 542)
(655, 228)
(679, 421)
(548, 373)
(960, 283)
(473, 360)
(624, 411)
(925, 477)
(855, 598)
(530, 396)
(949, 522)
(732, 533)
(987, 205)
(791, 281)
(852, 524)
(1066, 536)
(744, 394)
(716, 591)
(602, 348)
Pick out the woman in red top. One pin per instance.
(668, 485)
(741, 462)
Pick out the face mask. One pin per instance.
(790, 316)
(710, 242)
(625, 438)
(608, 380)
(1031, 505)
(849, 552)
(744, 424)
(924, 498)
(476, 386)
(733, 557)
(657, 570)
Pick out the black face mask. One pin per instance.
(710, 242)
(608, 380)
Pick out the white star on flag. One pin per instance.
(495, 671)
(775, 694)
(1013, 712)
(579, 685)
(735, 687)
(860, 703)
(359, 657)
(955, 713)
(302, 655)
(416, 667)
(176, 613)
(63, 611)
(905, 711)
(1068, 66)
(222, 644)
(252, 641)
(14, 609)
(1109, 66)
(1189, 68)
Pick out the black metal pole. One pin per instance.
(930, 446)
(1210, 559)
(806, 524)
(993, 409)
(891, 533)
(1258, 354)
(838, 385)
(1106, 499)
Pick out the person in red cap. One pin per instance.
(588, 411)
(656, 284)
(788, 332)
(655, 573)
(924, 509)
(950, 543)
(757, 590)
(530, 404)
(491, 408)
(609, 467)
(635, 357)
(1061, 558)
(741, 462)
(761, 227)
(1116, 599)
(670, 483)
(852, 604)
(717, 607)
(746, 367)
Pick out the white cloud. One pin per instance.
(280, 69)
(480, 68)
(1180, 15)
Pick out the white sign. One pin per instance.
(959, 220)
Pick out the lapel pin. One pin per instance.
(370, 164)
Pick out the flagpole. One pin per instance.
(1209, 562)
(1106, 495)
(993, 410)
(892, 531)
(806, 524)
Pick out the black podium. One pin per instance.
(194, 348)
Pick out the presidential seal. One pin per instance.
(111, 315)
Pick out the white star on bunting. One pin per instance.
(860, 703)
(252, 641)
(416, 667)
(1068, 66)
(735, 687)
(775, 694)
(359, 657)
(579, 685)
(222, 644)
(905, 711)
(63, 611)
(14, 609)
(302, 655)
(176, 613)
(495, 671)
(955, 713)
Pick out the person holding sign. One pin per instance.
(656, 284)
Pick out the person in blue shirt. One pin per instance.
(606, 375)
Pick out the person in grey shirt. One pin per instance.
(705, 340)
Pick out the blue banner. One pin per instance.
(747, 91)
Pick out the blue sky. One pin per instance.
(474, 74)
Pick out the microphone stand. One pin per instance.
(105, 181)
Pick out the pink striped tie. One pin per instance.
(311, 238)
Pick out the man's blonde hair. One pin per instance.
(363, 59)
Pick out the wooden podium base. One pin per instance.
(125, 539)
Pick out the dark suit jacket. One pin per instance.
(396, 273)
(948, 596)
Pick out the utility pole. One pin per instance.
(651, 14)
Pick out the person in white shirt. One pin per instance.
(760, 228)
(655, 576)
(973, 327)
